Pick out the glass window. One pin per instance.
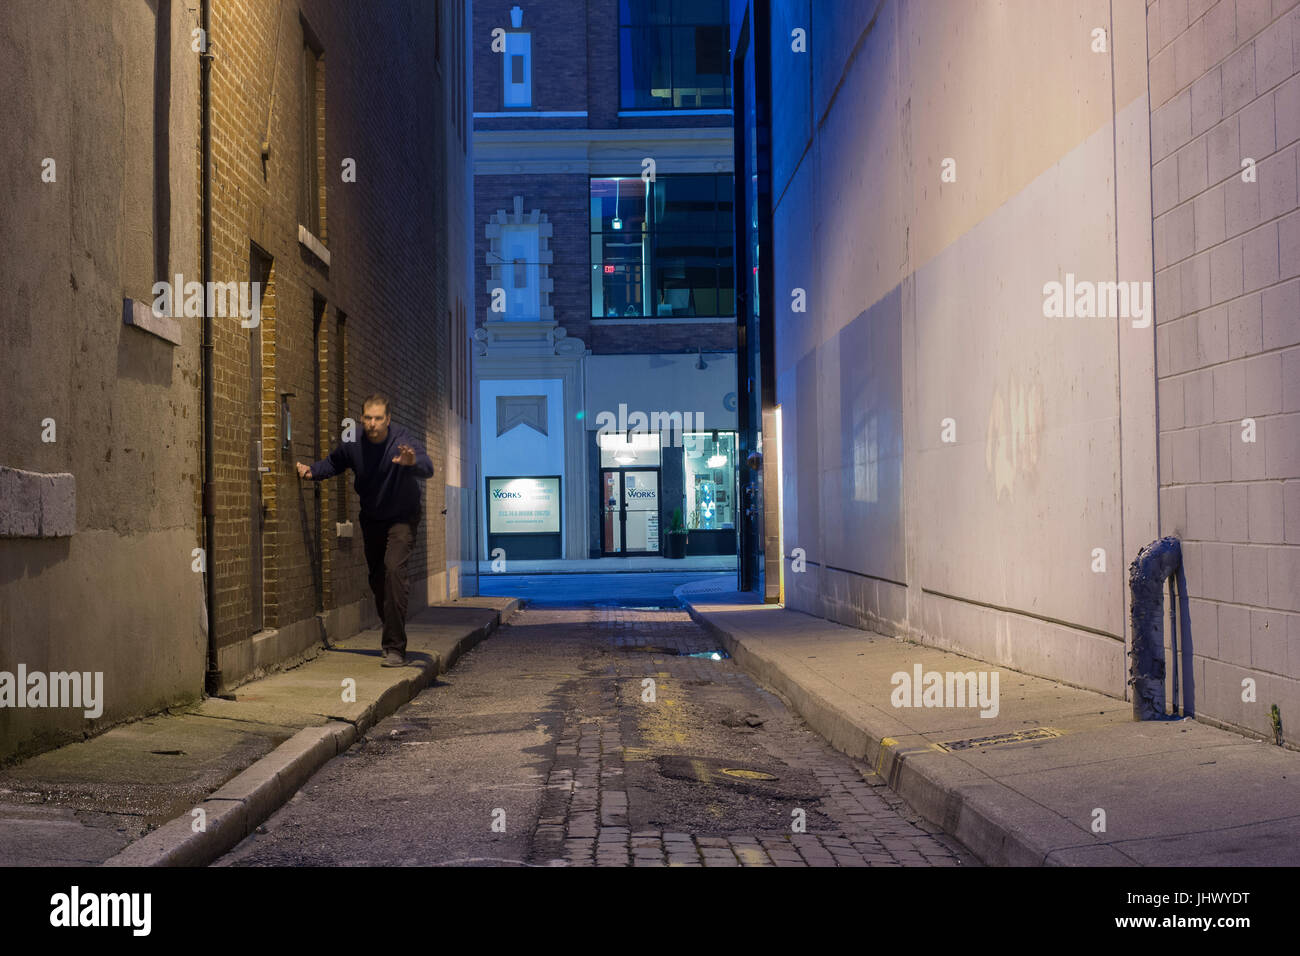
(673, 54)
(662, 248)
(629, 449)
(521, 272)
(517, 66)
(710, 463)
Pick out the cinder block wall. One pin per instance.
(1225, 88)
(1007, 535)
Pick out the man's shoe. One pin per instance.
(393, 659)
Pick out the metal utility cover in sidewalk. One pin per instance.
(995, 740)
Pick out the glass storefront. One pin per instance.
(710, 462)
(643, 478)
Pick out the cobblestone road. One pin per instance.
(620, 751)
(593, 739)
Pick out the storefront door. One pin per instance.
(630, 512)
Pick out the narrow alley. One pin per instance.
(604, 737)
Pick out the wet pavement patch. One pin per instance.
(714, 655)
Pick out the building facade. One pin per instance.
(245, 218)
(1033, 304)
(605, 292)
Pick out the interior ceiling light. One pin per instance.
(617, 223)
(717, 459)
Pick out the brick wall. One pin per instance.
(575, 54)
(564, 199)
(1225, 87)
(381, 102)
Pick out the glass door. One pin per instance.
(630, 511)
(611, 541)
(641, 512)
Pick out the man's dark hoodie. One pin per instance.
(388, 490)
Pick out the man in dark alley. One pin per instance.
(385, 466)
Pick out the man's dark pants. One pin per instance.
(388, 551)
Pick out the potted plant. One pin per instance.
(675, 543)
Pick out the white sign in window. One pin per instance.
(524, 505)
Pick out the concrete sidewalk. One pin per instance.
(1173, 793)
(628, 565)
(100, 800)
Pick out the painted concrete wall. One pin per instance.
(522, 450)
(539, 454)
(925, 303)
(663, 383)
(461, 474)
(118, 596)
(1225, 88)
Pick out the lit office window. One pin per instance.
(662, 248)
(673, 54)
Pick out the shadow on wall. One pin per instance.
(1186, 646)
(31, 558)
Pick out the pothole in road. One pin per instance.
(720, 772)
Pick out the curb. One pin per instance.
(237, 808)
(968, 805)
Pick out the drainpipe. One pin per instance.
(1155, 562)
(212, 677)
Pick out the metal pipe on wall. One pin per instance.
(212, 676)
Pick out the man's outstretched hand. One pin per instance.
(406, 455)
(304, 471)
